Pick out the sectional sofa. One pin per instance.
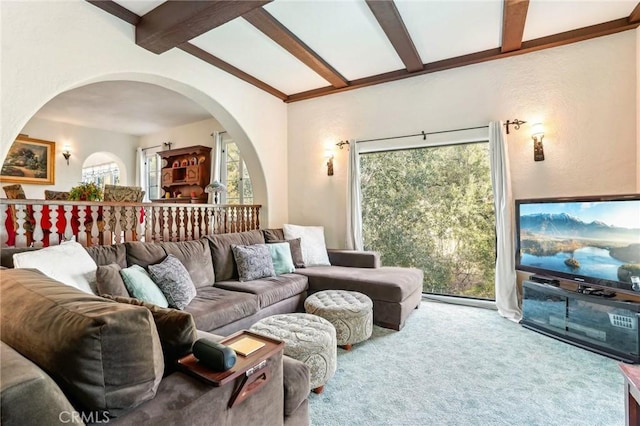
(221, 306)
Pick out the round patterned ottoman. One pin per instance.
(307, 338)
(350, 312)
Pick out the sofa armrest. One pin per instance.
(354, 259)
(28, 395)
(296, 384)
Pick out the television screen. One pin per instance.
(590, 240)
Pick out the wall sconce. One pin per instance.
(66, 153)
(328, 154)
(537, 134)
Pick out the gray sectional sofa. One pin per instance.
(222, 305)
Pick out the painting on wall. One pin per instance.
(29, 161)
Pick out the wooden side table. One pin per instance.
(252, 370)
(632, 393)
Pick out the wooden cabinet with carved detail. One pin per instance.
(185, 174)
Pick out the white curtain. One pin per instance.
(354, 210)
(141, 172)
(506, 285)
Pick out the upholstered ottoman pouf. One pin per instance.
(350, 312)
(307, 338)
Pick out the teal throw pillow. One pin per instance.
(281, 258)
(141, 286)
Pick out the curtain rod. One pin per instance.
(151, 147)
(516, 123)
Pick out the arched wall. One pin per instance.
(49, 48)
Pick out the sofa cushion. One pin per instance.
(220, 244)
(55, 262)
(273, 234)
(391, 284)
(174, 281)
(140, 285)
(253, 262)
(105, 355)
(176, 329)
(214, 307)
(109, 280)
(314, 249)
(144, 254)
(105, 255)
(195, 255)
(269, 290)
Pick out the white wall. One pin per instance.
(83, 141)
(584, 93)
(198, 133)
(51, 47)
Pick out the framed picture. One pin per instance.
(29, 161)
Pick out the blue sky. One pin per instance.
(624, 214)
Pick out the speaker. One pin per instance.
(213, 355)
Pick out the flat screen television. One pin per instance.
(594, 241)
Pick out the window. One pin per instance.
(432, 208)
(102, 174)
(235, 176)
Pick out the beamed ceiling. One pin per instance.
(296, 49)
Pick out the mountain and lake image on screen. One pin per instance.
(597, 240)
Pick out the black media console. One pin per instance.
(601, 324)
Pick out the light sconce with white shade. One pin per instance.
(328, 155)
(537, 134)
(66, 153)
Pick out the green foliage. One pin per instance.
(432, 209)
(86, 191)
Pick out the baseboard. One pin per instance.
(477, 303)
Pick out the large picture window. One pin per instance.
(235, 176)
(432, 208)
(102, 174)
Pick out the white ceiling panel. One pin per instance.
(545, 17)
(140, 7)
(245, 47)
(446, 29)
(343, 33)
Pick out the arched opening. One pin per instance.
(228, 122)
(104, 168)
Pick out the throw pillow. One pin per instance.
(314, 249)
(253, 261)
(68, 263)
(281, 258)
(296, 251)
(109, 280)
(141, 286)
(174, 281)
(177, 329)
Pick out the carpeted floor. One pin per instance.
(458, 365)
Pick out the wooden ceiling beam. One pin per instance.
(387, 15)
(555, 40)
(634, 17)
(225, 66)
(272, 28)
(176, 22)
(514, 16)
(116, 10)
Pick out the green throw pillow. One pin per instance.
(141, 286)
(281, 258)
